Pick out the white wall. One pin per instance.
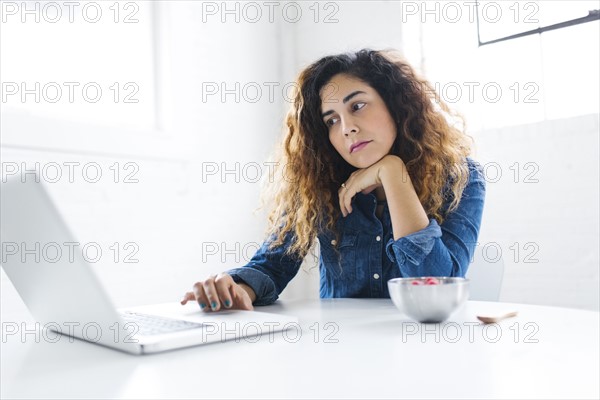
(173, 215)
(545, 118)
(543, 212)
(553, 221)
(358, 26)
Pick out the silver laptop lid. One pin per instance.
(59, 291)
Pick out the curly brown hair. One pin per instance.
(303, 199)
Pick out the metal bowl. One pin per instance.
(429, 303)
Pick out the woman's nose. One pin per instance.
(348, 127)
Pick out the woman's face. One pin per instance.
(360, 126)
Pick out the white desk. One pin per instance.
(545, 352)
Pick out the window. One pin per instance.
(513, 82)
(87, 77)
(511, 20)
(91, 63)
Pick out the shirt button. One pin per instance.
(333, 242)
(378, 238)
(376, 276)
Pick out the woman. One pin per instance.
(373, 168)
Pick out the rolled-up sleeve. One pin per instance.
(268, 272)
(446, 249)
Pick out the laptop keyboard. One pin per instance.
(155, 325)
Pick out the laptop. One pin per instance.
(66, 296)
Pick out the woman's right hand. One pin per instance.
(219, 292)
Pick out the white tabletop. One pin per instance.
(348, 348)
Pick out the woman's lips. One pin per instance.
(359, 146)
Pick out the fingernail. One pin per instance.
(213, 305)
(227, 303)
(202, 306)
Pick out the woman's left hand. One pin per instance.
(365, 181)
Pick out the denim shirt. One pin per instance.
(368, 254)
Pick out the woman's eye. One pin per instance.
(355, 107)
(356, 104)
